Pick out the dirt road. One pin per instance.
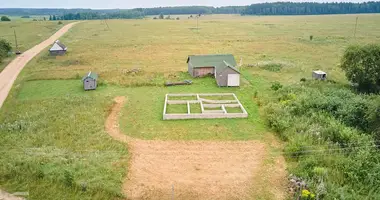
(197, 169)
(10, 73)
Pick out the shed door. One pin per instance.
(233, 80)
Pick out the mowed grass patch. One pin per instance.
(142, 116)
(182, 97)
(195, 108)
(176, 109)
(40, 89)
(218, 97)
(233, 110)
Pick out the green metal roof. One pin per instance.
(92, 75)
(219, 61)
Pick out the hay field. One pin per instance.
(49, 114)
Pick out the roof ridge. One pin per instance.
(225, 54)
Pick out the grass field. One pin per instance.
(48, 114)
(29, 33)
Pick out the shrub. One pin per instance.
(177, 18)
(276, 86)
(5, 18)
(311, 37)
(303, 80)
(5, 47)
(59, 23)
(273, 67)
(362, 64)
(331, 134)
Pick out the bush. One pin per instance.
(5, 18)
(273, 67)
(276, 86)
(362, 64)
(59, 23)
(311, 37)
(331, 134)
(5, 47)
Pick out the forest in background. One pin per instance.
(278, 8)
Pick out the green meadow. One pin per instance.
(52, 131)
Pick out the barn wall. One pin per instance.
(190, 69)
(57, 53)
(87, 85)
(222, 77)
(204, 71)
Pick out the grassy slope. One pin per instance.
(29, 33)
(57, 117)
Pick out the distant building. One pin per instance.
(58, 49)
(319, 75)
(221, 66)
(89, 81)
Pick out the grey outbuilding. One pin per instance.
(221, 66)
(89, 81)
(319, 75)
(57, 49)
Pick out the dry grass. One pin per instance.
(160, 47)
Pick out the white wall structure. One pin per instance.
(210, 108)
(233, 80)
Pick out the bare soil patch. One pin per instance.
(193, 169)
(6, 196)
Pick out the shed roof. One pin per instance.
(319, 72)
(219, 61)
(58, 46)
(92, 75)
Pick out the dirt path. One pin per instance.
(196, 169)
(11, 71)
(7, 196)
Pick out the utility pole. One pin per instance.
(356, 25)
(17, 51)
(14, 31)
(197, 23)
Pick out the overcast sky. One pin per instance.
(106, 4)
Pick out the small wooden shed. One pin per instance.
(89, 81)
(319, 75)
(58, 49)
(221, 66)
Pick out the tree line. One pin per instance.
(127, 14)
(309, 8)
(277, 8)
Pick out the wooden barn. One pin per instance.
(89, 81)
(221, 66)
(58, 49)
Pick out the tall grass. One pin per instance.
(328, 128)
